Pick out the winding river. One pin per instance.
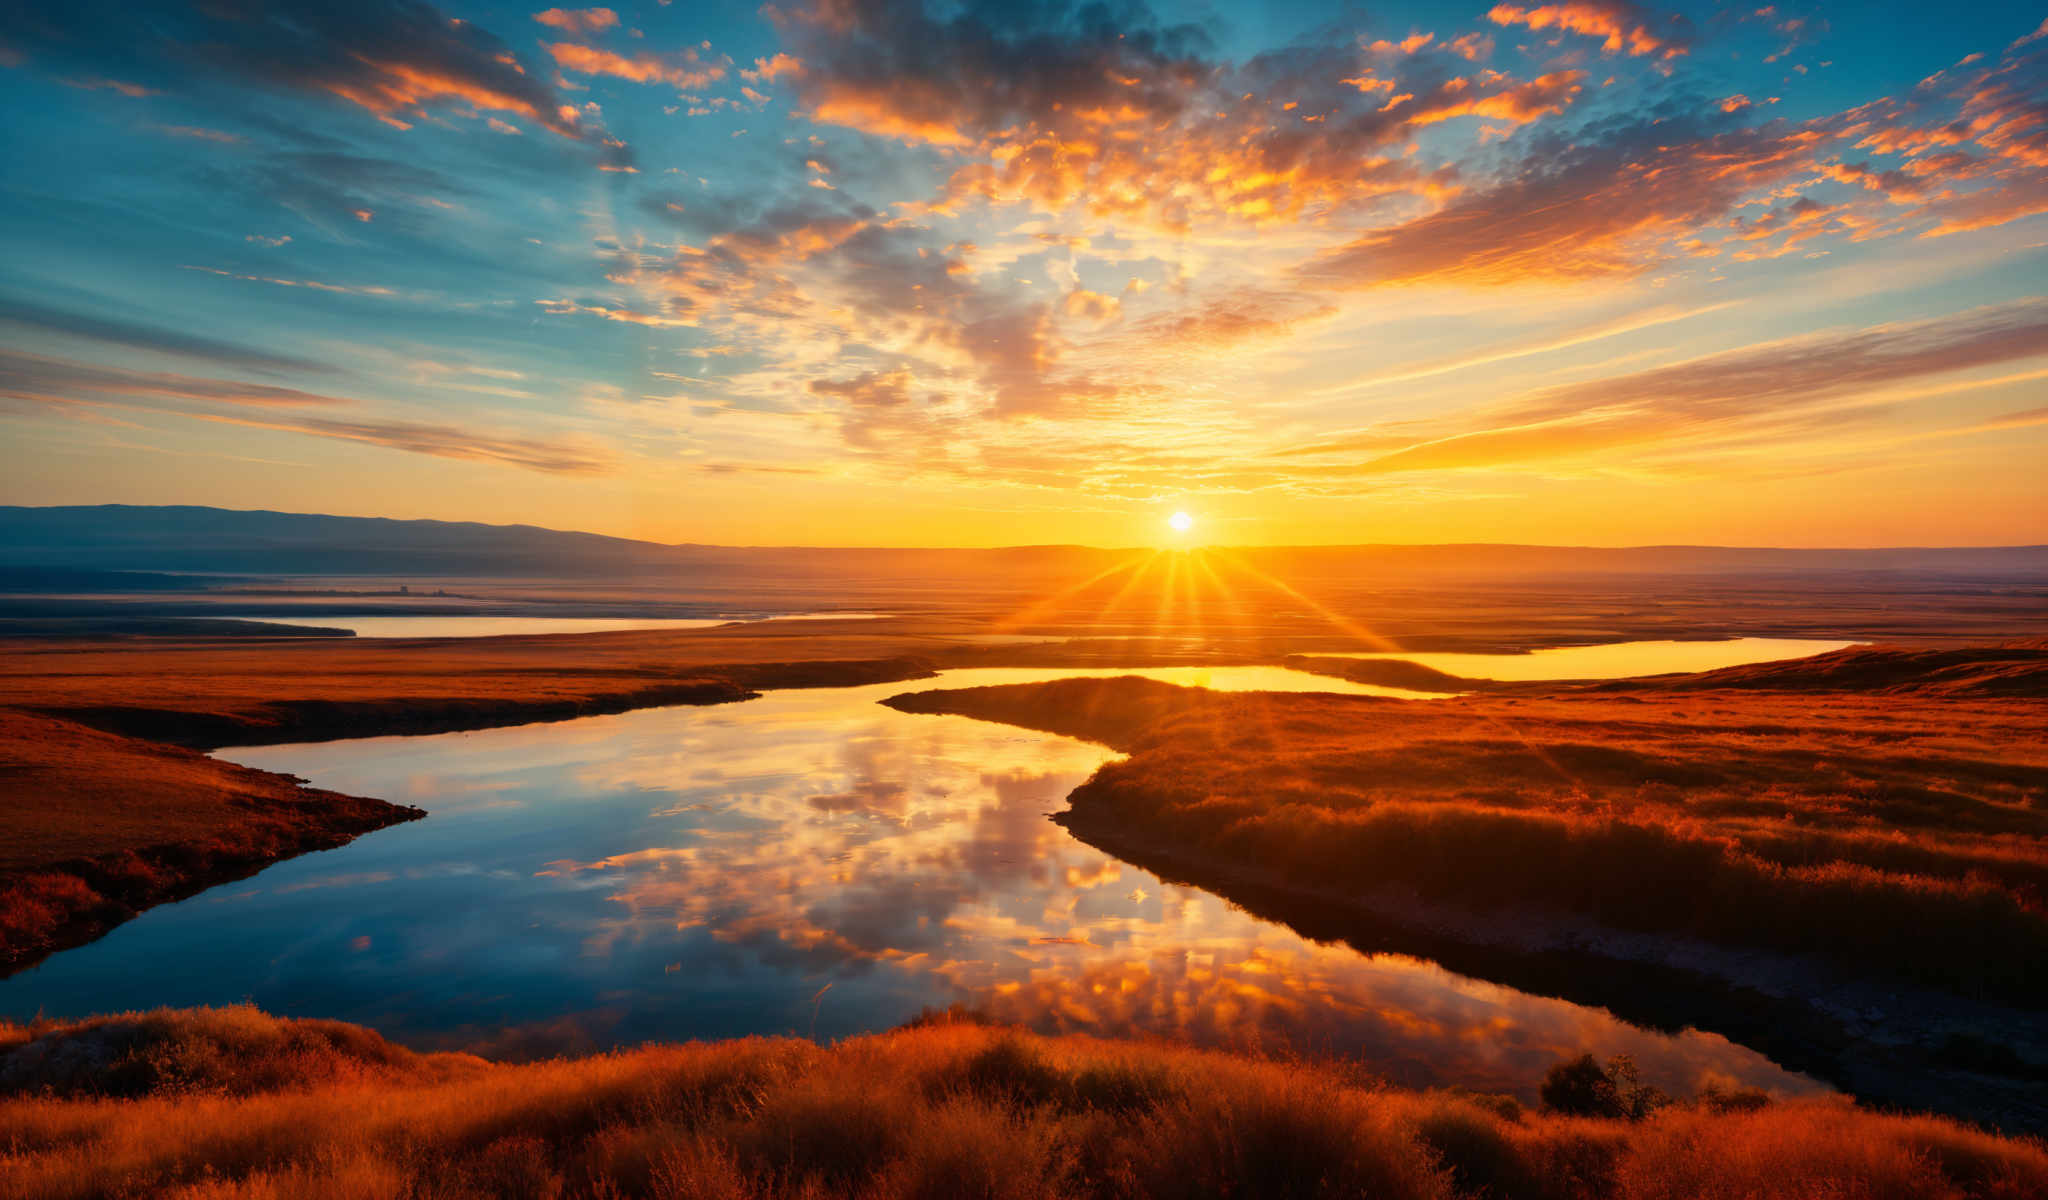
(809, 862)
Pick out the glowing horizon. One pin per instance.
(874, 272)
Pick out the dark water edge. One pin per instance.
(1981, 1079)
(151, 626)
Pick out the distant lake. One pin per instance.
(1618, 660)
(809, 862)
(455, 625)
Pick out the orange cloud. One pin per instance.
(1233, 319)
(1596, 210)
(686, 70)
(1061, 119)
(777, 66)
(1898, 186)
(1407, 45)
(1091, 306)
(894, 114)
(394, 87)
(876, 389)
(1620, 24)
(578, 20)
(1768, 381)
(1994, 109)
(1520, 103)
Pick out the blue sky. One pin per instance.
(873, 271)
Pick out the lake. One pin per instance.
(809, 862)
(456, 625)
(1615, 660)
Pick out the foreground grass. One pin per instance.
(233, 1103)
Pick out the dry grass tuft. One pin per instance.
(945, 1110)
(237, 1051)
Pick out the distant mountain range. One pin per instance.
(71, 546)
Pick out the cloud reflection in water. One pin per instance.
(809, 862)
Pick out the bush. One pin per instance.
(1477, 1148)
(236, 1051)
(1717, 1099)
(1581, 1087)
(1011, 1071)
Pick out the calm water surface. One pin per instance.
(809, 862)
(1618, 660)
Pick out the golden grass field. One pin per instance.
(220, 1103)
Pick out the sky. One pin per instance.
(887, 272)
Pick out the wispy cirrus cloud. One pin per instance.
(154, 338)
(1781, 381)
(400, 60)
(67, 387)
(1662, 314)
(547, 455)
(57, 381)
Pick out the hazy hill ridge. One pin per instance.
(179, 538)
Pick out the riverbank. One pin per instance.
(95, 827)
(230, 1102)
(108, 810)
(1895, 829)
(207, 693)
(1850, 880)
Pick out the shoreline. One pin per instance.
(1344, 817)
(58, 901)
(161, 823)
(1795, 1012)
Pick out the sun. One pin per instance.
(1181, 522)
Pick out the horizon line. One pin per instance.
(1129, 549)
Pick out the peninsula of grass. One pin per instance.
(1883, 811)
